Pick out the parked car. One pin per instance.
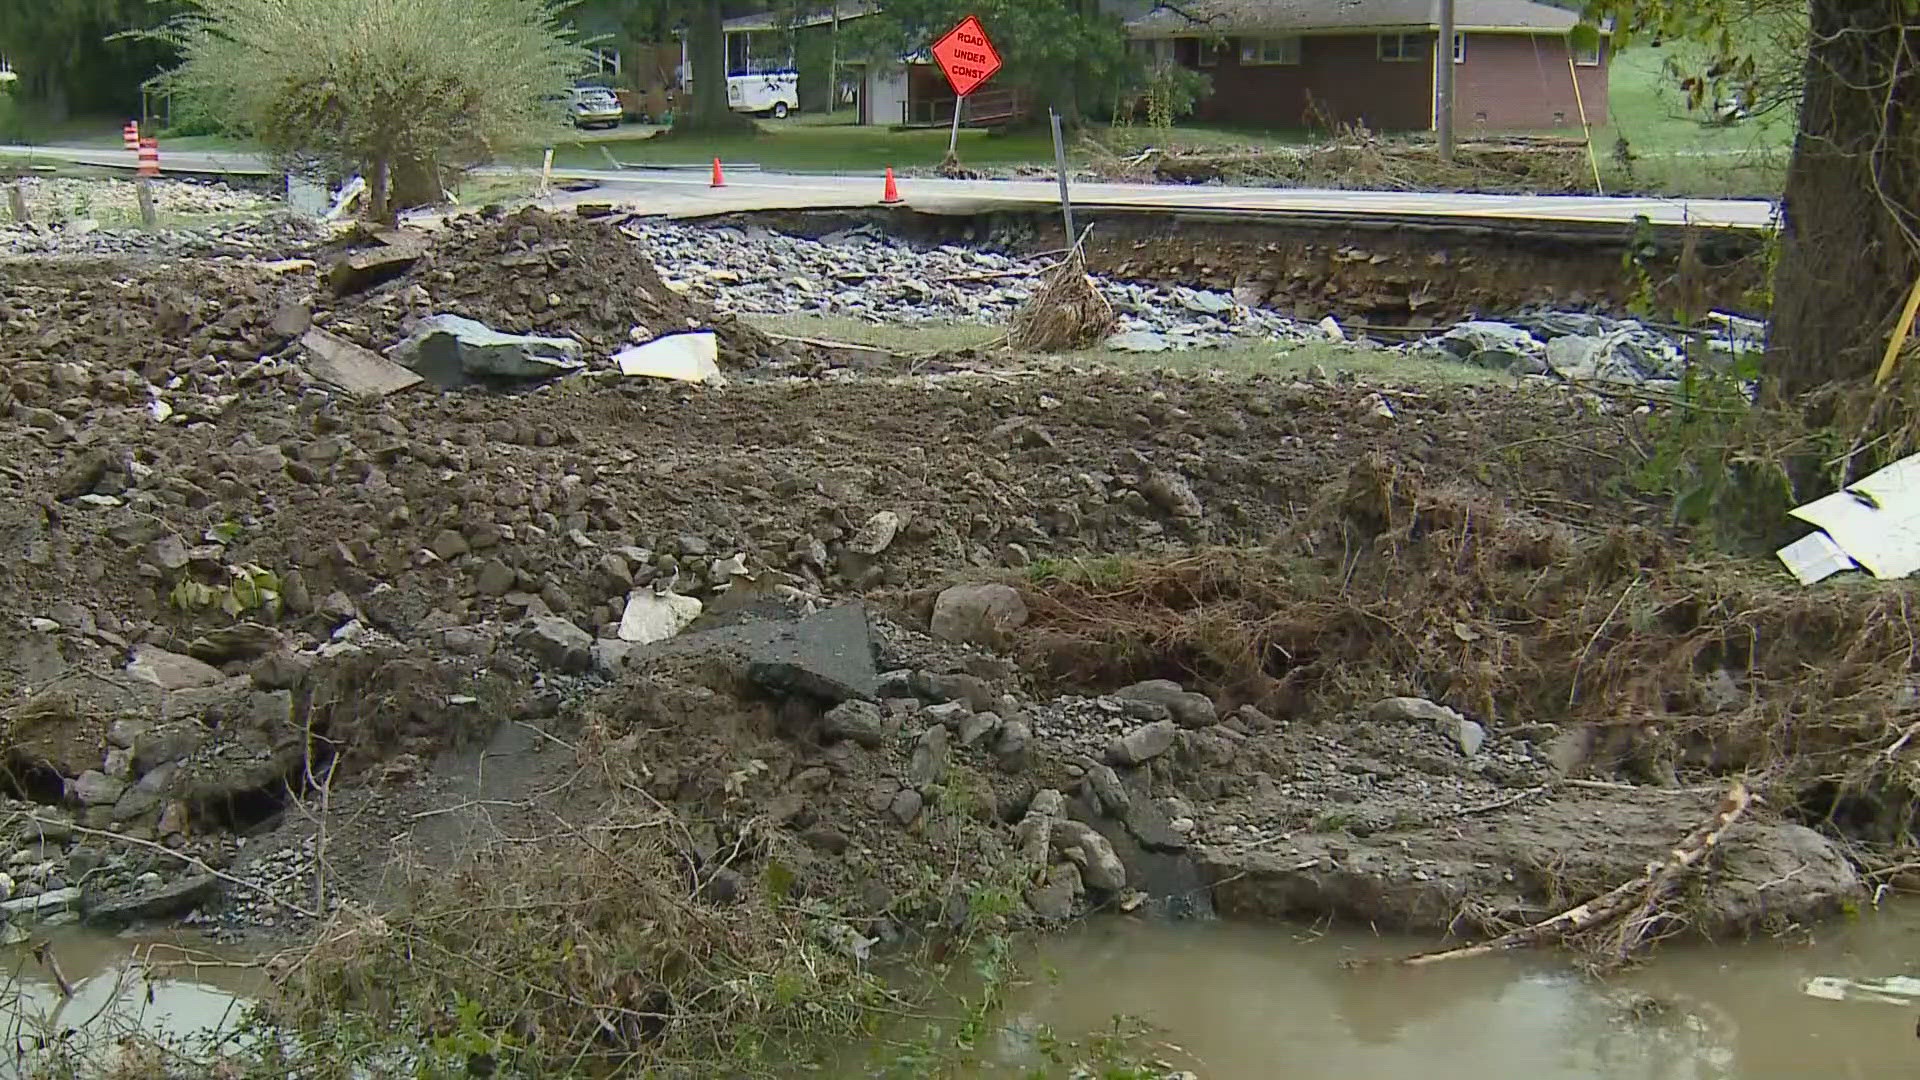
(774, 93)
(593, 106)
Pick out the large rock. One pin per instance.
(978, 614)
(163, 902)
(828, 654)
(1467, 734)
(930, 755)
(1142, 744)
(1188, 709)
(1780, 872)
(650, 616)
(448, 350)
(558, 643)
(1493, 345)
(1053, 900)
(1100, 867)
(858, 721)
(171, 671)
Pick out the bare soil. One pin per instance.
(411, 539)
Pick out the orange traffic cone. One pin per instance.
(891, 195)
(718, 179)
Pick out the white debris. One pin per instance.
(691, 358)
(652, 616)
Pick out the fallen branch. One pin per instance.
(1635, 901)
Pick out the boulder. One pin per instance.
(558, 643)
(857, 721)
(171, 671)
(978, 614)
(1468, 735)
(163, 902)
(930, 754)
(1492, 345)
(1100, 867)
(448, 350)
(1188, 709)
(1053, 900)
(1142, 744)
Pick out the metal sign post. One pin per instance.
(1060, 165)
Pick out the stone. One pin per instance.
(610, 655)
(94, 788)
(858, 721)
(1492, 344)
(1151, 828)
(1011, 747)
(1053, 900)
(449, 545)
(145, 796)
(974, 691)
(368, 267)
(39, 905)
(1171, 493)
(1108, 791)
(826, 838)
(1142, 744)
(282, 670)
(1464, 733)
(1047, 803)
(495, 578)
(169, 553)
(1186, 708)
(1100, 867)
(650, 616)
(360, 372)
(930, 756)
(171, 671)
(876, 535)
(905, 805)
(241, 641)
(981, 614)
(449, 351)
(978, 727)
(949, 714)
(827, 655)
(558, 644)
(163, 902)
(1139, 341)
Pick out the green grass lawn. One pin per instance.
(792, 146)
(1673, 151)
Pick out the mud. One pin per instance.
(413, 545)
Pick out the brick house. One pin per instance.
(1271, 62)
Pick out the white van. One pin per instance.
(775, 93)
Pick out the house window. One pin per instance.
(1209, 53)
(1403, 46)
(1274, 50)
(1587, 54)
(1459, 48)
(1157, 52)
(604, 60)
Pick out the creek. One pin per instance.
(1236, 1001)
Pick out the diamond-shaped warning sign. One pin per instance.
(967, 56)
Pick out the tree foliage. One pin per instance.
(71, 55)
(392, 89)
(1067, 54)
(1850, 239)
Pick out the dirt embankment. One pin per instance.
(1396, 275)
(411, 678)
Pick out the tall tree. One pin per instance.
(1067, 54)
(1850, 247)
(71, 55)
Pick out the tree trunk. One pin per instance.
(1849, 249)
(708, 112)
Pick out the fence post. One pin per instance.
(17, 202)
(148, 215)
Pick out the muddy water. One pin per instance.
(158, 985)
(1244, 1002)
(1238, 1002)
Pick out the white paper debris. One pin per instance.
(1815, 557)
(685, 357)
(1874, 522)
(1895, 990)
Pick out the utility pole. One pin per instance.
(1443, 82)
(833, 63)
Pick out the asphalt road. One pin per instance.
(681, 192)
